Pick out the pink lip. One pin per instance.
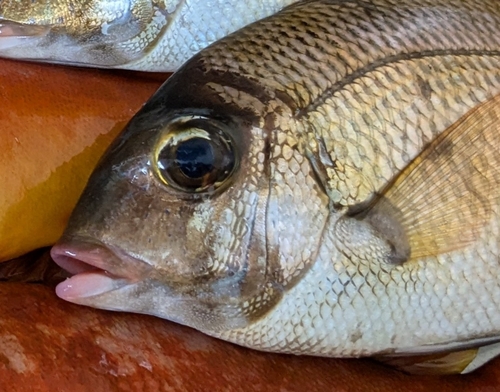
(97, 269)
(78, 256)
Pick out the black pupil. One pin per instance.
(195, 157)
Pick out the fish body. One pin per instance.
(140, 35)
(322, 182)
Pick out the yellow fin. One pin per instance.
(484, 355)
(442, 200)
(432, 364)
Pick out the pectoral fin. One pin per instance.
(442, 200)
(11, 29)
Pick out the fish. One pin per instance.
(141, 35)
(56, 122)
(322, 182)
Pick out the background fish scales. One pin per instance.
(131, 34)
(330, 51)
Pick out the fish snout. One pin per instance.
(77, 255)
(96, 268)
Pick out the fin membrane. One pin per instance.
(443, 199)
(442, 363)
(14, 34)
(431, 364)
(484, 355)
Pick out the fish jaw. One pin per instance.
(96, 269)
(111, 280)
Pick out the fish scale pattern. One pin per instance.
(330, 103)
(389, 125)
(141, 35)
(327, 44)
(193, 25)
(334, 51)
(348, 309)
(367, 86)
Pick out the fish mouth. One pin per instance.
(95, 268)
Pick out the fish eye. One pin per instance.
(195, 156)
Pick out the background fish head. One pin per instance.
(145, 237)
(102, 33)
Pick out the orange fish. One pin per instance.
(55, 124)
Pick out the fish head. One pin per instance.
(103, 33)
(173, 220)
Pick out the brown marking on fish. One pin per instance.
(425, 88)
(356, 336)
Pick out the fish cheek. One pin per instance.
(217, 258)
(298, 207)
